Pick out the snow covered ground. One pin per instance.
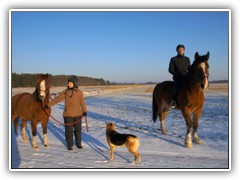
(130, 110)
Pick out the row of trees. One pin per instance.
(29, 80)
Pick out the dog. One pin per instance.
(116, 139)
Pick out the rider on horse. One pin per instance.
(178, 67)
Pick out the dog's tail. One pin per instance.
(154, 109)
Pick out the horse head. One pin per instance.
(42, 87)
(200, 70)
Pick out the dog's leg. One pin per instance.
(111, 153)
(133, 145)
(137, 157)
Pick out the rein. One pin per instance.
(65, 124)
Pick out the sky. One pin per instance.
(126, 46)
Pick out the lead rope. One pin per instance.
(66, 124)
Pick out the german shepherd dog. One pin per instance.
(116, 139)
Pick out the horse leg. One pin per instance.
(196, 117)
(187, 117)
(162, 115)
(15, 121)
(24, 134)
(44, 127)
(34, 134)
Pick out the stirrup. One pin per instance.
(173, 104)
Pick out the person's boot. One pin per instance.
(79, 146)
(173, 104)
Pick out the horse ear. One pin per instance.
(196, 55)
(37, 76)
(207, 56)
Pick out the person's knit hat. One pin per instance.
(179, 46)
(73, 79)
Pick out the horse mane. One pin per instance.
(192, 69)
(36, 94)
(190, 77)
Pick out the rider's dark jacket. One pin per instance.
(179, 66)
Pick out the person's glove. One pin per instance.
(84, 114)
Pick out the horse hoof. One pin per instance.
(35, 148)
(25, 139)
(164, 131)
(45, 145)
(198, 141)
(188, 145)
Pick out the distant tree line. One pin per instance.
(29, 80)
(218, 81)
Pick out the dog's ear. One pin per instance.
(112, 125)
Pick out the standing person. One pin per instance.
(74, 109)
(178, 67)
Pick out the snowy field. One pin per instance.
(130, 110)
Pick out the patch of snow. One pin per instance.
(131, 113)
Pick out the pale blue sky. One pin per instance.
(117, 46)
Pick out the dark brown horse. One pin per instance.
(190, 98)
(29, 108)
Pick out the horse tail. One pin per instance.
(16, 125)
(15, 100)
(154, 109)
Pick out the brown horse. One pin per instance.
(29, 108)
(190, 98)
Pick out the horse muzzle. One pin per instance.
(204, 86)
(42, 97)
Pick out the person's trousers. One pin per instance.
(176, 85)
(75, 129)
